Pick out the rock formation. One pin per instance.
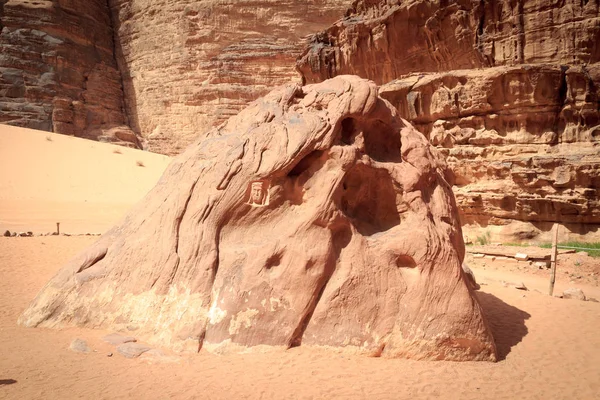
(520, 140)
(517, 119)
(385, 39)
(188, 66)
(315, 217)
(58, 72)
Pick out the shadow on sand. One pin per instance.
(506, 322)
(7, 381)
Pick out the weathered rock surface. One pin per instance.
(80, 346)
(574, 293)
(188, 66)
(470, 277)
(314, 217)
(116, 339)
(58, 72)
(517, 119)
(382, 40)
(132, 350)
(522, 141)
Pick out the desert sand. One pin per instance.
(548, 347)
(85, 185)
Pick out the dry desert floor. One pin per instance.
(549, 347)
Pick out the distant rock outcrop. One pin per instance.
(315, 217)
(58, 72)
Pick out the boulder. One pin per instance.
(521, 257)
(574, 293)
(116, 339)
(79, 346)
(132, 350)
(315, 217)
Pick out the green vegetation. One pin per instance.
(586, 245)
(484, 239)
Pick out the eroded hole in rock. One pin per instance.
(348, 131)
(298, 96)
(405, 261)
(369, 200)
(273, 261)
(305, 164)
(382, 143)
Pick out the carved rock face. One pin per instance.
(314, 217)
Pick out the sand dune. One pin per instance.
(85, 185)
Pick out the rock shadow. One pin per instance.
(7, 382)
(506, 322)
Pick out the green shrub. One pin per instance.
(484, 239)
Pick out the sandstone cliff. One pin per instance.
(382, 40)
(517, 119)
(522, 141)
(58, 72)
(188, 66)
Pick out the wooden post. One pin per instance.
(58, 228)
(553, 257)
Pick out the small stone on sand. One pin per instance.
(79, 346)
(576, 294)
(132, 350)
(116, 339)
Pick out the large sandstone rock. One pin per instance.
(189, 65)
(384, 39)
(57, 69)
(314, 217)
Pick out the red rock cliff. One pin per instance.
(188, 66)
(57, 69)
(382, 40)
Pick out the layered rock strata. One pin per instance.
(517, 119)
(383, 40)
(522, 141)
(315, 217)
(58, 72)
(188, 66)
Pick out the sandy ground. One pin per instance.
(96, 179)
(549, 347)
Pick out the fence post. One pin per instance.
(553, 257)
